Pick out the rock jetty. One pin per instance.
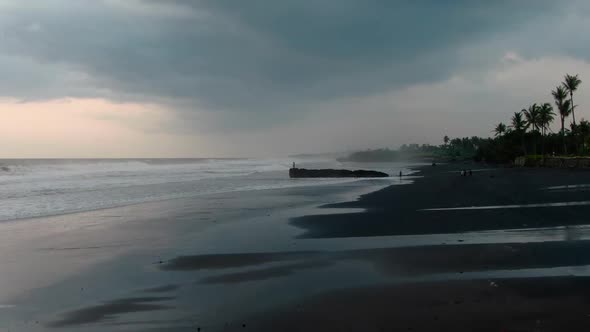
(334, 173)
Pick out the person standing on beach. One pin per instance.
(400, 174)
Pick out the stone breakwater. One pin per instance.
(334, 173)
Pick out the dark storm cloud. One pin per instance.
(256, 55)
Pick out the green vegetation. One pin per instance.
(379, 155)
(452, 149)
(571, 83)
(500, 129)
(529, 131)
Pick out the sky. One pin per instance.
(222, 78)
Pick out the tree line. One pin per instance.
(527, 134)
(532, 127)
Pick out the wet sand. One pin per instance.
(400, 262)
(405, 210)
(529, 304)
(489, 300)
(389, 264)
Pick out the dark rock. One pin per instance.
(334, 173)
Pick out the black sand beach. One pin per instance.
(400, 210)
(539, 302)
(509, 262)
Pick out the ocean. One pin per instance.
(43, 187)
(84, 233)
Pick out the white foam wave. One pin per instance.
(32, 188)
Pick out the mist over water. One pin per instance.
(35, 187)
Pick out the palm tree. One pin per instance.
(519, 125)
(563, 107)
(584, 131)
(571, 84)
(446, 139)
(546, 116)
(500, 129)
(532, 119)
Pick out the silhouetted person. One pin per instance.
(470, 173)
(400, 174)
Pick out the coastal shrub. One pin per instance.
(533, 160)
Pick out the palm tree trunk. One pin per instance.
(535, 140)
(523, 144)
(574, 129)
(563, 135)
(543, 142)
(573, 107)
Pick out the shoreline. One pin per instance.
(229, 260)
(336, 182)
(441, 187)
(82, 245)
(33, 188)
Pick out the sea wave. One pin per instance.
(42, 187)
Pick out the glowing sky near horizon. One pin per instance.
(182, 78)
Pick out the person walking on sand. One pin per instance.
(400, 174)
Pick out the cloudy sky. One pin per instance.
(175, 78)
